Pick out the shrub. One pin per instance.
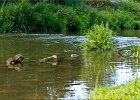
(136, 24)
(70, 18)
(23, 16)
(26, 17)
(84, 15)
(115, 19)
(99, 37)
(6, 17)
(129, 5)
(67, 2)
(74, 24)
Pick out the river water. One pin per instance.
(70, 78)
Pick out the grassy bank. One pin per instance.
(123, 92)
(24, 16)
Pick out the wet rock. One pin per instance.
(43, 60)
(52, 58)
(10, 61)
(53, 63)
(18, 58)
(16, 67)
(74, 55)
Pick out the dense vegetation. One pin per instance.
(67, 15)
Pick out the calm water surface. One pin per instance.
(69, 79)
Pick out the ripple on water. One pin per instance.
(127, 41)
(71, 78)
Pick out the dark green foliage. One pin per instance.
(116, 20)
(24, 17)
(41, 16)
(136, 24)
(67, 2)
(129, 5)
(74, 23)
(6, 18)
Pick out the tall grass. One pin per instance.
(23, 16)
(99, 37)
(40, 17)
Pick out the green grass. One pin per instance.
(131, 91)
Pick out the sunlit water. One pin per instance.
(69, 79)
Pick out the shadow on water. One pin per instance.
(71, 78)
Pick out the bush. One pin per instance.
(6, 17)
(67, 2)
(24, 16)
(71, 17)
(136, 24)
(99, 37)
(115, 19)
(129, 5)
(84, 15)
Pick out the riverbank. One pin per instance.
(50, 17)
(123, 92)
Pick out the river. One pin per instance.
(70, 78)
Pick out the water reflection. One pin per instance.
(71, 78)
(97, 68)
(108, 68)
(77, 91)
(17, 67)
